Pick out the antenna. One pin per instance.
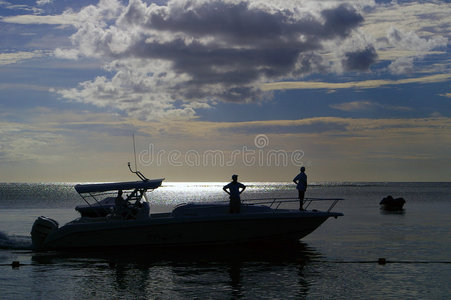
(138, 173)
(134, 151)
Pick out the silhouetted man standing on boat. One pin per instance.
(233, 189)
(301, 185)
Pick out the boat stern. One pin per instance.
(41, 229)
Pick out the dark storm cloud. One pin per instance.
(198, 52)
(360, 60)
(238, 23)
(211, 63)
(340, 21)
(234, 45)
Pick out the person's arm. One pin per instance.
(295, 179)
(244, 187)
(225, 189)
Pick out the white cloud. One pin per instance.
(366, 84)
(367, 106)
(19, 7)
(354, 106)
(173, 58)
(205, 51)
(406, 33)
(418, 48)
(66, 53)
(15, 57)
(402, 65)
(24, 142)
(53, 141)
(44, 2)
(410, 40)
(64, 19)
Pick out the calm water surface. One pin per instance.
(337, 261)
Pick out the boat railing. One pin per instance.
(276, 203)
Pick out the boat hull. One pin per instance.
(392, 204)
(188, 231)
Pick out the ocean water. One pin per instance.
(337, 261)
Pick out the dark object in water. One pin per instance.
(15, 264)
(389, 203)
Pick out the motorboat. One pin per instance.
(392, 204)
(189, 224)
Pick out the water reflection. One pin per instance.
(231, 272)
(393, 212)
(234, 270)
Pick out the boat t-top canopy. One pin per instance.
(115, 186)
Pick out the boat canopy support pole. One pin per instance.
(89, 204)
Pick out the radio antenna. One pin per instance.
(138, 173)
(134, 152)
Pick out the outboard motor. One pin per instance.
(42, 227)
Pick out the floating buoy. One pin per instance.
(15, 264)
(382, 261)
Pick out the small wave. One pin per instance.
(15, 242)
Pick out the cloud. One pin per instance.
(167, 60)
(24, 86)
(43, 134)
(44, 2)
(410, 40)
(15, 57)
(407, 32)
(351, 128)
(66, 54)
(64, 19)
(193, 52)
(367, 84)
(366, 106)
(360, 60)
(56, 140)
(354, 106)
(402, 65)
(19, 7)
(24, 142)
(312, 126)
(424, 18)
(418, 47)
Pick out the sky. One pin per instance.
(354, 90)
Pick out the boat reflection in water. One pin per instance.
(231, 271)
